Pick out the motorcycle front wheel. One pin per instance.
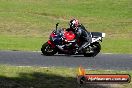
(48, 50)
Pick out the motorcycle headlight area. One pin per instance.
(57, 40)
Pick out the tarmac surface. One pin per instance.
(101, 61)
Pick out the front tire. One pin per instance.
(96, 49)
(48, 50)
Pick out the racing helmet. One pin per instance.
(74, 24)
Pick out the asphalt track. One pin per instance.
(101, 61)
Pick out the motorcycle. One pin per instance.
(65, 42)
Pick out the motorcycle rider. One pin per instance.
(80, 32)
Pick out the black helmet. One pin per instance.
(74, 23)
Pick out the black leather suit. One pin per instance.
(83, 35)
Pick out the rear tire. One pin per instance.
(48, 50)
(95, 50)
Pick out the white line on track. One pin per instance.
(32, 66)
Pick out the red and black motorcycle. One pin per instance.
(65, 42)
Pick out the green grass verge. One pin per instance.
(33, 20)
(118, 46)
(28, 43)
(21, 43)
(47, 77)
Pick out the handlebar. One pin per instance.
(57, 27)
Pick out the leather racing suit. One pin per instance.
(83, 35)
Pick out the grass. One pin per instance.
(26, 24)
(33, 20)
(28, 43)
(21, 43)
(122, 46)
(48, 77)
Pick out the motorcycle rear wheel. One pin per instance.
(96, 50)
(48, 50)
